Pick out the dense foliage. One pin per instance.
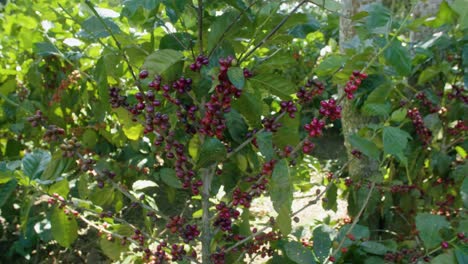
(151, 126)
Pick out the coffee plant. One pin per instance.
(144, 131)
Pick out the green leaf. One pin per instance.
(301, 31)
(298, 253)
(163, 62)
(283, 220)
(429, 226)
(56, 167)
(64, 227)
(62, 188)
(143, 184)
(281, 192)
(428, 74)
(211, 151)
(330, 203)
(274, 84)
(459, 6)
(445, 16)
(176, 41)
(395, 141)
(288, 133)
(322, 242)
(6, 190)
(446, 258)
(399, 115)
(330, 65)
(265, 144)
(112, 249)
(35, 163)
(381, 92)
(132, 6)
(374, 248)
(236, 126)
(132, 130)
(45, 49)
(250, 106)
(399, 58)
(169, 177)
(236, 76)
(194, 146)
(94, 28)
(378, 18)
(218, 28)
(371, 109)
(464, 192)
(365, 146)
(462, 254)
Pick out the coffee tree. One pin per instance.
(152, 126)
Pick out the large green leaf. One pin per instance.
(112, 249)
(374, 248)
(64, 227)
(298, 253)
(446, 258)
(330, 65)
(169, 177)
(464, 192)
(250, 106)
(274, 84)
(281, 192)
(265, 144)
(132, 130)
(236, 126)
(288, 133)
(176, 41)
(365, 146)
(6, 190)
(211, 151)
(236, 76)
(301, 31)
(395, 141)
(35, 163)
(399, 58)
(163, 62)
(429, 226)
(322, 242)
(378, 18)
(56, 167)
(94, 28)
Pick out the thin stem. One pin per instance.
(363, 207)
(207, 177)
(272, 32)
(117, 42)
(200, 25)
(220, 40)
(389, 43)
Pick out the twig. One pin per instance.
(234, 21)
(117, 42)
(272, 32)
(200, 25)
(363, 207)
(207, 177)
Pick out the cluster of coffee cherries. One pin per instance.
(199, 62)
(117, 100)
(308, 147)
(311, 89)
(328, 108)
(459, 128)
(214, 123)
(261, 244)
(241, 198)
(37, 119)
(423, 132)
(459, 93)
(353, 83)
(356, 153)
(270, 124)
(53, 133)
(70, 147)
(314, 128)
(425, 101)
(188, 233)
(225, 216)
(289, 107)
(408, 254)
(183, 168)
